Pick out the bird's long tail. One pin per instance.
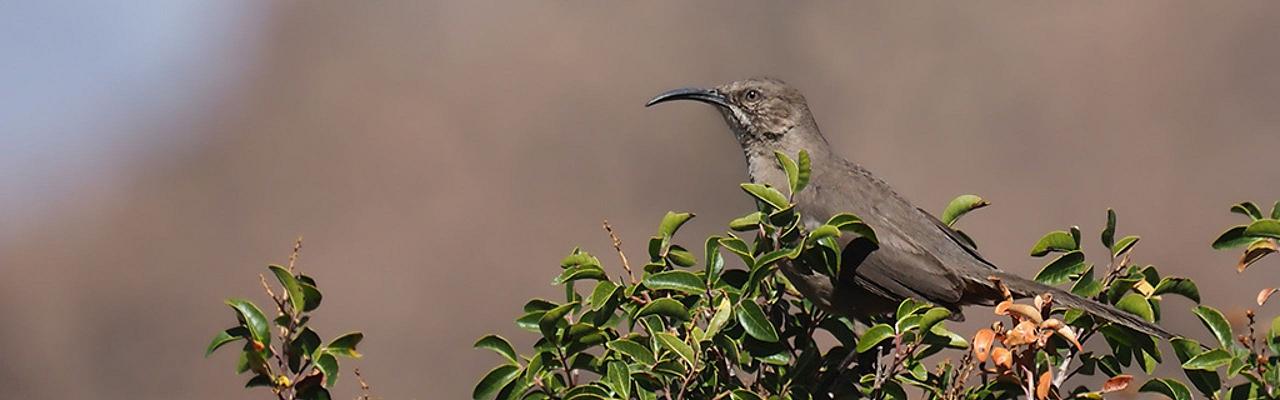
(1022, 287)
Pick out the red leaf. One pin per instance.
(1042, 387)
(1265, 294)
(982, 343)
(1001, 357)
(1117, 383)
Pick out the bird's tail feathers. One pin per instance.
(1022, 287)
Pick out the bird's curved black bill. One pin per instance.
(708, 96)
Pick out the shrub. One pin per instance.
(298, 365)
(682, 327)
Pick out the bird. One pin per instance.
(915, 255)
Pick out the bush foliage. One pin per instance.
(298, 365)
(683, 327)
(726, 326)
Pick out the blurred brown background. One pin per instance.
(441, 158)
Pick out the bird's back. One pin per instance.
(917, 256)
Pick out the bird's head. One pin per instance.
(758, 110)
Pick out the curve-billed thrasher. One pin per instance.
(917, 256)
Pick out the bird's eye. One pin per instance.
(753, 95)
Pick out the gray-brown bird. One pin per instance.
(917, 256)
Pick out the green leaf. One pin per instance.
(747, 222)
(549, 323)
(498, 344)
(822, 232)
(1059, 241)
(681, 257)
(1264, 228)
(953, 340)
(1213, 319)
(851, 223)
(791, 169)
(1063, 269)
(310, 391)
(634, 350)
(714, 261)
(907, 323)
(1179, 286)
(805, 167)
(1237, 363)
(538, 305)
(1207, 382)
(586, 392)
(258, 325)
(681, 281)
(1247, 390)
(604, 291)
(227, 336)
(1171, 388)
(292, 288)
(658, 247)
(723, 311)
(676, 345)
(345, 345)
(259, 381)
(767, 195)
(577, 272)
(739, 247)
(1209, 360)
(618, 378)
(672, 222)
(582, 336)
(753, 320)
(242, 362)
(305, 344)
(892, 390)
(494, 381)
(578, 257)
(1109, 233)
(932, 317)
(873, 337)
(960, 206)
(773, 257)
(1247, 209)
(743, 394)
(312, 296)
(1233, 238)
(1087, 286)
(666, 307)
(1137, 304)
(328, 364)
(1123, 246)
(909, 307)
(1273, 336)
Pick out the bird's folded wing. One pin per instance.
(955, 238)
(902, 269)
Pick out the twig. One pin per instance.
(284, 330)
(1031, 383)
(293, 257)
(900, 353)
(568, 371)
(684, 385)
(274, 299)
(617, 245)
(364, 386)
(960, 377)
